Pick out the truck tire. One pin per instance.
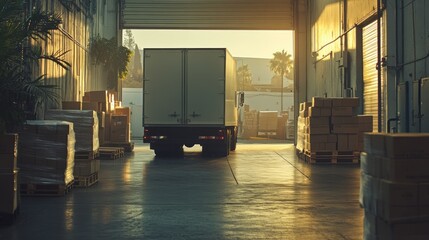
(225, 147)
(234, 140)
(169, 151)
(220, 149)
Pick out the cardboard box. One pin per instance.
(101, 119)
(371, 165)
(94, 106)
(345, 102)
(267, 121)
(126, 111)
(374, 143)
(319, 112)
(399, 145)
(71, 105)
(345, 129)
(102, 135)
(318, 129)
(119, 129)
(405, 169)
(342, 111)
(85, 167)
(321, 147)
(312, 121)
(323, 138)
(344, 120)
(321, 102)
(375, 228)
(347, 142)
(108, 118)
(96, 96)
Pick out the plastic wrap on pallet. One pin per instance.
(85, 127)
(46, 153)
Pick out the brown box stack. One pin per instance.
(47, 152)
(85, 127)
(331, 124)
(250, 124)
(267, 121)
(281, 126)
(395, 186)
(8, 173)
(119, 129)
(70, 105)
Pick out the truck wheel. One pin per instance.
(225, 146)
(234, 140)
(169, 151)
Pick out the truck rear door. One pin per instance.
(163, 87)
(205, 87)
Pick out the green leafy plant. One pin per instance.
(20, 91)
(115, 58)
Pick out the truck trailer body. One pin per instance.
(190, 97)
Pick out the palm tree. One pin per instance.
(281, 64)
(244, 77)
(20, 91)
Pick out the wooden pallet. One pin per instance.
(332, 157)
(86, 181)
(111, 153)
(128, 147)
(42, 189)
(87, 154)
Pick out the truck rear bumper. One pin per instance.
(184, 135)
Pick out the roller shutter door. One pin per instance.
(370, 83)
(208, 14)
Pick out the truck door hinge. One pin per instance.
(194, 115)
(173, 115)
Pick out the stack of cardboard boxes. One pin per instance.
(47, 154)
(331, 125)
(395, 186)
(8, 176)
(85, 127)
(267, 122)
(250, 124)
(120, 125)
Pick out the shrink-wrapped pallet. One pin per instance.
(85, 124)
(46, 153)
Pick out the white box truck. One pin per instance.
(190, 97)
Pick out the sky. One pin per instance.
(240, 43)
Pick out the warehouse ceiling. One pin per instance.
(208, 14)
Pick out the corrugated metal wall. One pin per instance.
(73, 37)
(208, 14)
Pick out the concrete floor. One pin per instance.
(261, 191)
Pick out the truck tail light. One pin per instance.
(219, 136)
(147, 136)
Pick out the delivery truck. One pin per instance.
(190, 97)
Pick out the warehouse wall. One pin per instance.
(82, 20)
(408, 62)
(335, 29)
(332, 30)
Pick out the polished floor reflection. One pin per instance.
(261, 191)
